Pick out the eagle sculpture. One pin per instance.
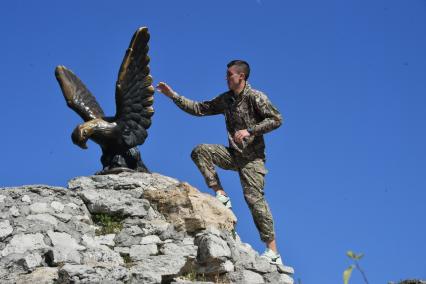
(118, 136)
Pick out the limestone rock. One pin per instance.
(32, 260)
(26, 198)
(212, 248)
(22, 243)
(102, 256)
(285, 269)
(97, 253)
(140, 252)
(65, 248)
(41, 275)
(126, 238)
(163, 230)
(57, 206)
(246, 276)
(14, 211)
(184, 281)
(5, 229)
(164, 266)
(190, 210)
(185, 248)
(72, 273)
(46, 218)
(244, 256)
(64, 240)
(63, 217)
(152, 239)
(107, 240)
(114, 203)
(39, 208)
(155, 227)
(123, 182)
(278, 278)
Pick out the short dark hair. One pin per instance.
(242, 65)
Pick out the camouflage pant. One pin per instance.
(252, 174)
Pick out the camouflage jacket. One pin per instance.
(251, 109)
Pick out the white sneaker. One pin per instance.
(272, 256)
(225, 200)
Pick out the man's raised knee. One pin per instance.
(198, 151)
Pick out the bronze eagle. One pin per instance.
(118, 136)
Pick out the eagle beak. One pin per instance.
(79, 137)
(82, 146)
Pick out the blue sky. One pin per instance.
(347, 169)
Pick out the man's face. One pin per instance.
(234, 78)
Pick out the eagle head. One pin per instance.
(80, 135)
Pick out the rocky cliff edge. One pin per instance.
(126, 228)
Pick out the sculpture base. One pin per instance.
(129, 161)
(118, 170)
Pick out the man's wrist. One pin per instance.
(176, 98)
(173, 95)
(250, 130)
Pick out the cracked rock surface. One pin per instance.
(125, 228)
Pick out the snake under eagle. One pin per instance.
(118, 136)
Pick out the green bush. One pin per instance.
(109, 224)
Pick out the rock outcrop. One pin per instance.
(126, 228)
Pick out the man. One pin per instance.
(248, 115)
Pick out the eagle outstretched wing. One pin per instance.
(77, 96)
(134, 91)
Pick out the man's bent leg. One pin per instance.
(252, 177)
(206, 157)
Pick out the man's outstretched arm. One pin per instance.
(192, 107)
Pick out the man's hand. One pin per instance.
(165, 89)
(240, 135)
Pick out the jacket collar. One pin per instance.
(244, 92)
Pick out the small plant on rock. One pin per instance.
(194, 277)
(127, 260)
(347, 273)
(109, 224)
